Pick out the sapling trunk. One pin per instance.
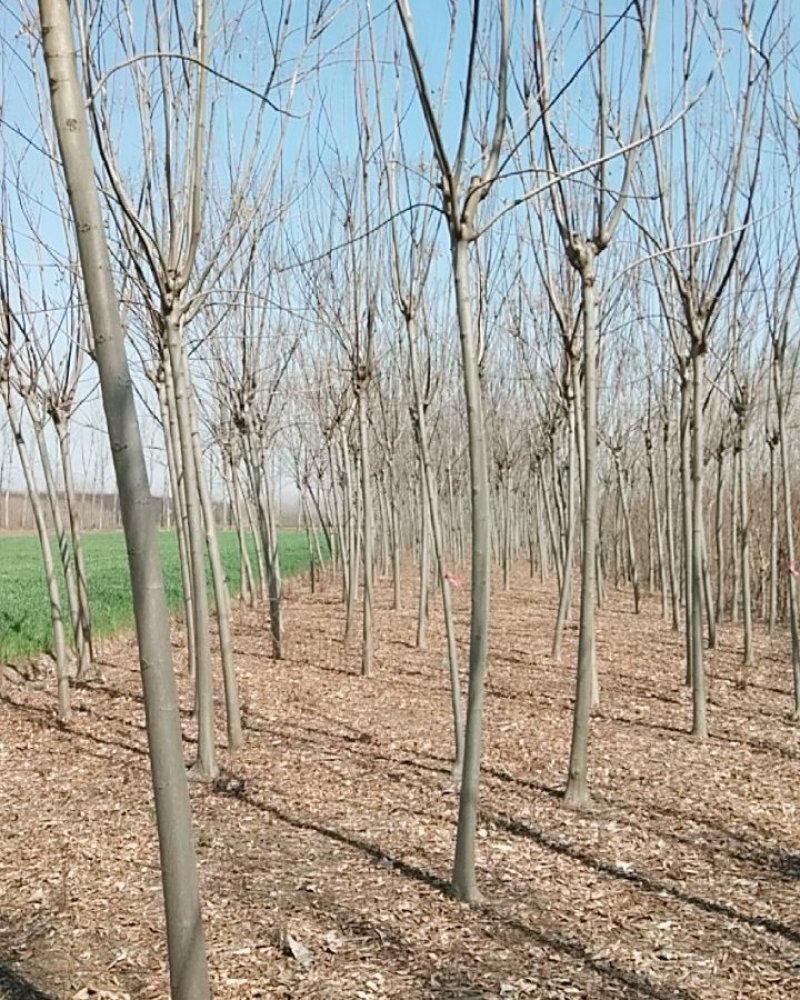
(577, 789)
(187, 959)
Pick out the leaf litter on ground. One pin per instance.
(325, 848)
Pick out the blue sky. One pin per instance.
(310, 132)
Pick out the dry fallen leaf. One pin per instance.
(680, 883)
(296, 949)
(333, 942)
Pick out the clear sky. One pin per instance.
(321, 123)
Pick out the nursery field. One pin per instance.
(24, 614)
(324, 866)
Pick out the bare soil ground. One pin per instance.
(681, 883)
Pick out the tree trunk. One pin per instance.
(655, 493)
(269, 548)
(699, 725)
(773, 537)
(424, 562)
(626, 520)
(507, 531)
(789, 524)
(326, 525)
(551, 530)
(247, 589)
(736, 547)
(464, 884)
(51, 581)
(367, 534)
(384, 534)
(438, 548)
(577, 790)
(76, 534)
(744, 522)
(653, 541)
(719, 540)
(561, 520)
(565, 595)
(258, 546)
(686, 497)
(177, 389)
(172, 448)
(395, 529)
(233, 716)
(187, 959)
(708, 597)
(669, 514)
(64, 549)
(351, 504)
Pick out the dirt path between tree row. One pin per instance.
(682, 883)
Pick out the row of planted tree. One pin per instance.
(608, 235)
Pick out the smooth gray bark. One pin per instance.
(464, 884)
(686, 507)
(659, 524)
(351, 504)
(432, 493)
(424, 561)
(577, 789)
(268, 537)
(64, 548)
(748, 655)
(565, 593)
(172, 450)
(774, 520)
(205, 765)
(633, 562)
(233, 716)
(777, 376)
(367, 531)
(51, 581)
(247, 590)
(187, 959)
(719, 535)
(76, 537)
(697, 662)
(396, 544)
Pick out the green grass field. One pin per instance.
(24, 616)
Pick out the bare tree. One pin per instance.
(586, 226)
(701, 237)
(187, 959)
(8, 343)
(175, 250)
(462, 193)
(411, 259)
(778, 289)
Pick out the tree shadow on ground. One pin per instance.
(14, 986)
(508, 778)
(626, 720)
(356, 745)
(645, 882)
(787, 865)
(347, 840)
(46, 718)
(100, 741)
(362, 745)
(115, 694)
(754, 743)
(741, 848)
(636, 986)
